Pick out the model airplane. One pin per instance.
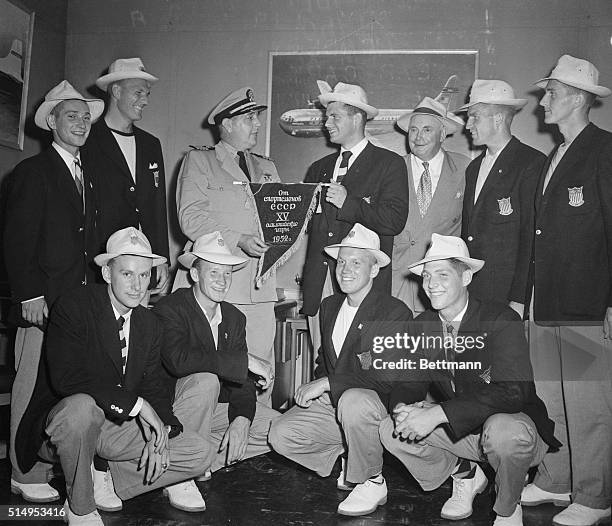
(310, 122)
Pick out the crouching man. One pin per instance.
(348, 399)
(481, 377)
(100, 391)
(205, 351)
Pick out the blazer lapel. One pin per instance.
(136, 354)
(200, 322)
(65, 181)
(470, 186)
(444, 189)
(111, 149)
(497, 170)
(328, 344)
(229, 164)
(352, 343)
(109, 332)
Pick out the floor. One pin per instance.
(271, 491)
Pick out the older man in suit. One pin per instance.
(100, 390)
(127, 164)
(486, 405)
(49, 244)
(367, 185)
(348, 399)
(499, 192)
(436, 180)
(208, 200)
(205, 352)
(572, 299)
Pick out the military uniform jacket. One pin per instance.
(208, 200)
(443, 217)
(377, 198)
(49, 242)
(121, 202)
(83, 355)
(500, 225)
(572, 250)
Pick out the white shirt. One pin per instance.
(456, 321)
(214, 322)
(485, 168)
(127, 144)
(346, 314)
(434, 167)
(355, 151)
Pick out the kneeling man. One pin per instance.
(348, 399)
(205, 351)
(100, 390)
(487, 410)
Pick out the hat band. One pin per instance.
(428, 111)
(238, 108)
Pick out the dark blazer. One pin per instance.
(189, 348)
(503, 383)
(49, 243)
(121, 202)
(377, 187)
(497, 233)
(378, 315)
(572, 251)
(83, 355)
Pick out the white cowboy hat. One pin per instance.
(493, 92)
(361, 237)
(65, 91)
(350, 94)
(434, 108)
(128, 242)
(578, 73)
(125, 68)
(237, 102)
(212, 247)
(446, 247)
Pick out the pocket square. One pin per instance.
(152, 166)
(365, 359)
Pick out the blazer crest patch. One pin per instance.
(576, 198)
(365, 359)
(505, 206)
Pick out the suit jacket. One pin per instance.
(207, 200)
(377, 198)
(503, 383)
(378, 315)
(500, 224)
(83, 355)
(49, 242)
(572, 251)
(443, 217)
(121, 202)
(189, 348)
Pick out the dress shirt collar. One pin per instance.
(355, 150)
(456, 321)
(66, 156)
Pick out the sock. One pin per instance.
(378, 479)
(464, 469)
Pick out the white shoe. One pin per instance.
(579, 515)
(459, 506)
(91, 519)
(34, 492)
(364, 499)
(185, 496)
(206, 477)
(534, 496)
(104, 491)
(516, 519)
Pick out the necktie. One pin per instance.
(451, 355)
(123, 342)
(243, 164)
(343, 168)
(424, 190)
(78, 177)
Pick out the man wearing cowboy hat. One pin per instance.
(486, 406)
(436, 180)
(205, 352)
(499, 191)
(208, 200)
(367, 185)
(348, 399)
(100, 390)
(127, 162)
(572, 298)
(49, 205)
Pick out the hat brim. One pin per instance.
(103, 259)
(188, 258)
(417, 267)
(381, 258)
(96, 108)
(516, 103)
(450, 125)
(326, 98)
(600, 91)
(105, 80)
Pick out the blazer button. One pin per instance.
(470, 238)
(538, 232)
(331, 234)
(132, 189)
(325, 263)
(413, 242)
(136, 209)
(81, 229)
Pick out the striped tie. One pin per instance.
(122, 341)
(343, 168)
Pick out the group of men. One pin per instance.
(470, 248)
